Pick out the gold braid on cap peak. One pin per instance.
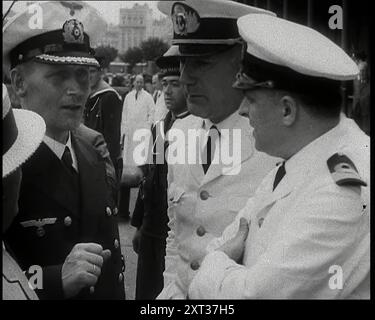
(80, 60)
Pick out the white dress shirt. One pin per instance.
(58, 149)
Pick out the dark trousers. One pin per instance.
(150, 267)
(124, 199)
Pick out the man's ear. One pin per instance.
(289, 110)
(18, 82)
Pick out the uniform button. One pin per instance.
(40, 232)
(108, 211)
(201, 231)
(92, 290)
(194, 265)
(115, 211)
(117, 244)
(67, 221)
(120, 277)
(260, 222)
(204, 195)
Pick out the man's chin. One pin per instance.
(197, 110)
(72, 125)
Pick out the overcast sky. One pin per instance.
(109, 9)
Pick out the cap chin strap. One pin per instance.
(244, 82)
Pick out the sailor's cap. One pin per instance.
(282, 54)
(169, 62)
(55, 32)
(205, 27)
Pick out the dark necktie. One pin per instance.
(209, 149)
(279, 175)
(68, 160)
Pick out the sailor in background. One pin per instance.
(103, 112)
(150, 214)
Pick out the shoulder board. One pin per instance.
(343, 171)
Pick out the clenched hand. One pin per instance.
(82, 267)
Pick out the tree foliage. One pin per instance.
(148, 50)
(109, 53)
(153, 48)
(132, 56)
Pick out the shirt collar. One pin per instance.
(182, 114)
(227, 123)
(57, 147)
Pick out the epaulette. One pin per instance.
(343, 171)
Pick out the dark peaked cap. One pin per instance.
(169, 62)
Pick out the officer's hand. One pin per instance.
(82, 267)
(136, 240)
(235, 247)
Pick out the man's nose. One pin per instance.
(76, 87)
(167, 89)
(244, 108)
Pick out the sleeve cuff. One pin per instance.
(52, 284)
(207, 279)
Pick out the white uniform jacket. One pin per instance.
(202, 205)
(136, 114)
(308, 239)
(160, 108)
(15, 283)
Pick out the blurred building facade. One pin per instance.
(135, 26)
(111, 37)
(163, 29)
(353, 38)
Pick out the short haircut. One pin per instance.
(327, 105)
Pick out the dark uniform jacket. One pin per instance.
(56, 212)
(150, 211)
(103, 113)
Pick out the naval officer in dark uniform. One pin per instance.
(150, 214)
(67, 217)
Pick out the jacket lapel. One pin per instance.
(218, 168)
(91, 177)
(270, 197)
(46, 172)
